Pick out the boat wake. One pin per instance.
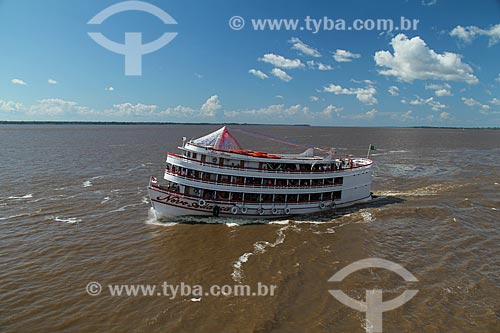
(152, 220)
(259, 247)
(26, 196)
(429, 190)
(69, 220)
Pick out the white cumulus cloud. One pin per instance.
(414, 60)
(54, 107)
(304, 48)
(332, 109)
(367, 115)
(109, 88)
(281, 74)
(211, 105)
(320, 66)
(18, 82)
(468, 34)
(51, 81)
(444, 115)
(259, 74)
(393, 90)
(10, 106)
(495, 101)
(281, 62)
(345, 56)
(435, 105)
(130, 109)
(440, 90)
(472, 103)
(365, 95)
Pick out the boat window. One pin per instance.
(303, 197)
(223, 195)
(315, 196)
(251, 197)
(236, 196)
(338, 181)
(304, 167)
(337, 195)
(208, 194)
(266, 198)
(280, 198)
(194, 155)
(317, 182)
(268, 182)
(326, 167)
(292, 198)
(224, 179)
(327, 196)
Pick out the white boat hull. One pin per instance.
(167, 204)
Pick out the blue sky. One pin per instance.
(444, 73)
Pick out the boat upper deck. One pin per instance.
(220, 150)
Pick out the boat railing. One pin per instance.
(243, 184)
(233, 201)
(267, 170)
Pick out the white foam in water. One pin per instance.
(258, 248)
(145, 200)
(154, 221)
(137, 167)
(367, 216)
(281, 222)
(237, 273)
(194, 299)
(13, 216)
(70, 220)
(87, 183)
(26, 196)
(106, 199)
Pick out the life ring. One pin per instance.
(275, 211)
(288, 211)
(202, 203)
(260, 211)
(322, 205)
(214, 160)
(234, 210)
(332, 206)
(216, 211)
(244, 210)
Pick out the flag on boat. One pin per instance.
(372, 147)
(154, 180)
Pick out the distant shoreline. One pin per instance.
(6, 122)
